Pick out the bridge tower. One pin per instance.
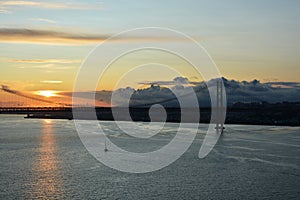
(220, 108)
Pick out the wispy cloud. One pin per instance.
(22, 35)
(4, 11)
(284, 84)
(48, 67)
(47, 37)
(8, 5)
(52, 82)
(44, 20)
(38, 61)
(175, 81)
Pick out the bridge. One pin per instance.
(30, 109)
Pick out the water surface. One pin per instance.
(45, 159)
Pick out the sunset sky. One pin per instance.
(43, 43)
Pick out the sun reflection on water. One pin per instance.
(48, 182)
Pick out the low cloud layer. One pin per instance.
(9, 6)
(44, 20)
(39, 61)
(236, 91)
(46, 36)
(24, 35)
(175, 81)
(51, 82)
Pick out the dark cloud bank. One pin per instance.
(160, 92)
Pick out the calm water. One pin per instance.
(45, 159)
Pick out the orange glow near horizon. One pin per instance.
(47, 93)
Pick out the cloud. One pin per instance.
(4, 11)
(23, 35)
(284, 84)
(176, 81)
(51, 82)
(154, 94)
(20, 35)
(44, 20)
(49, 67)
(49, 5)
(103, 98)
(39, 61)
(236, 91)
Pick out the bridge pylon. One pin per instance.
(220, 108)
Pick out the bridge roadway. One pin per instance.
(26, 110)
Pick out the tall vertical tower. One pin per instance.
(220, 108)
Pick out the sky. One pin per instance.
(43, 43)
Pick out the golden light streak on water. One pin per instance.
(48, 182)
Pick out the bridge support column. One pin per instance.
(220, 108)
